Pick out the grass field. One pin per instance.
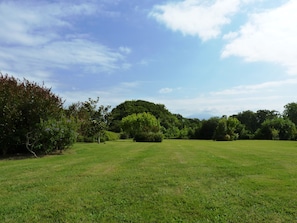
(173, 181)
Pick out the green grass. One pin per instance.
(173, 181)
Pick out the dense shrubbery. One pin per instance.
(244, 125)
(110, 136)
(148, 137)
(28, 112)
(143, 127)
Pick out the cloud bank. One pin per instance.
(269, 36)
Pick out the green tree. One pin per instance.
(92, 119)
(290, 112)
(141, 123)
(264, 114)
(207, 129)
(167, 120)
(249, 120)
(23, 104)
(277, 128)
(227, 129)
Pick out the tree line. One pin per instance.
(33, 119)
(262, 124)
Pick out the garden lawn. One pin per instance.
(172, 181)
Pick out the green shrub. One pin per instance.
(110, 136)
(148, 137)
(124, 135)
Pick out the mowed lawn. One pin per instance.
(172, 181)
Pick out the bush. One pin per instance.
(55, 135)
(124, 135)
(23, 105)
(148, 137)
(110, 136)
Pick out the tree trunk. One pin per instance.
(28, 144)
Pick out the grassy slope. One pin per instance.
(174, 181)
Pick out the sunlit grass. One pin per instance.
(173, 181)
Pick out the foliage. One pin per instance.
(92, 120)
(170, 124)
(249, 120)
(23, 105)
(148, 137)
(207, 129)
(277, 128)
(140, 123)
(290, 112)
(55, 134)
(110, 136)
(226, 129)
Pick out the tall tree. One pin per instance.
(290, 112)
(92, 119)
(249, 120)
(264, 114)
(207, 129)
(227, 129)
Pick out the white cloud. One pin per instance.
(34, 23)
(61, 54)
(269, 36)
(36, 38)
(196, 17)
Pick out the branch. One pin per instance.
(28, 144)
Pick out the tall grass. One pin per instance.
(174, 181)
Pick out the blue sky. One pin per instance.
(199, 58)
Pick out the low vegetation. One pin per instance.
(174, 181)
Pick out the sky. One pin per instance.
(200, 58)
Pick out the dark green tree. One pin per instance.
(277, 128)
(264, 114)
(207, 129)
(24, 105)
(290, 112)
(249, 120)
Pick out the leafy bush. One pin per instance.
(55, 135)
(23, 105)
(124, 135)
(148, 137)
(110, 136)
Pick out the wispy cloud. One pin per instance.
(269, 36)
(38, 37)
(271, 95)
(195, 17)
(270, 86)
